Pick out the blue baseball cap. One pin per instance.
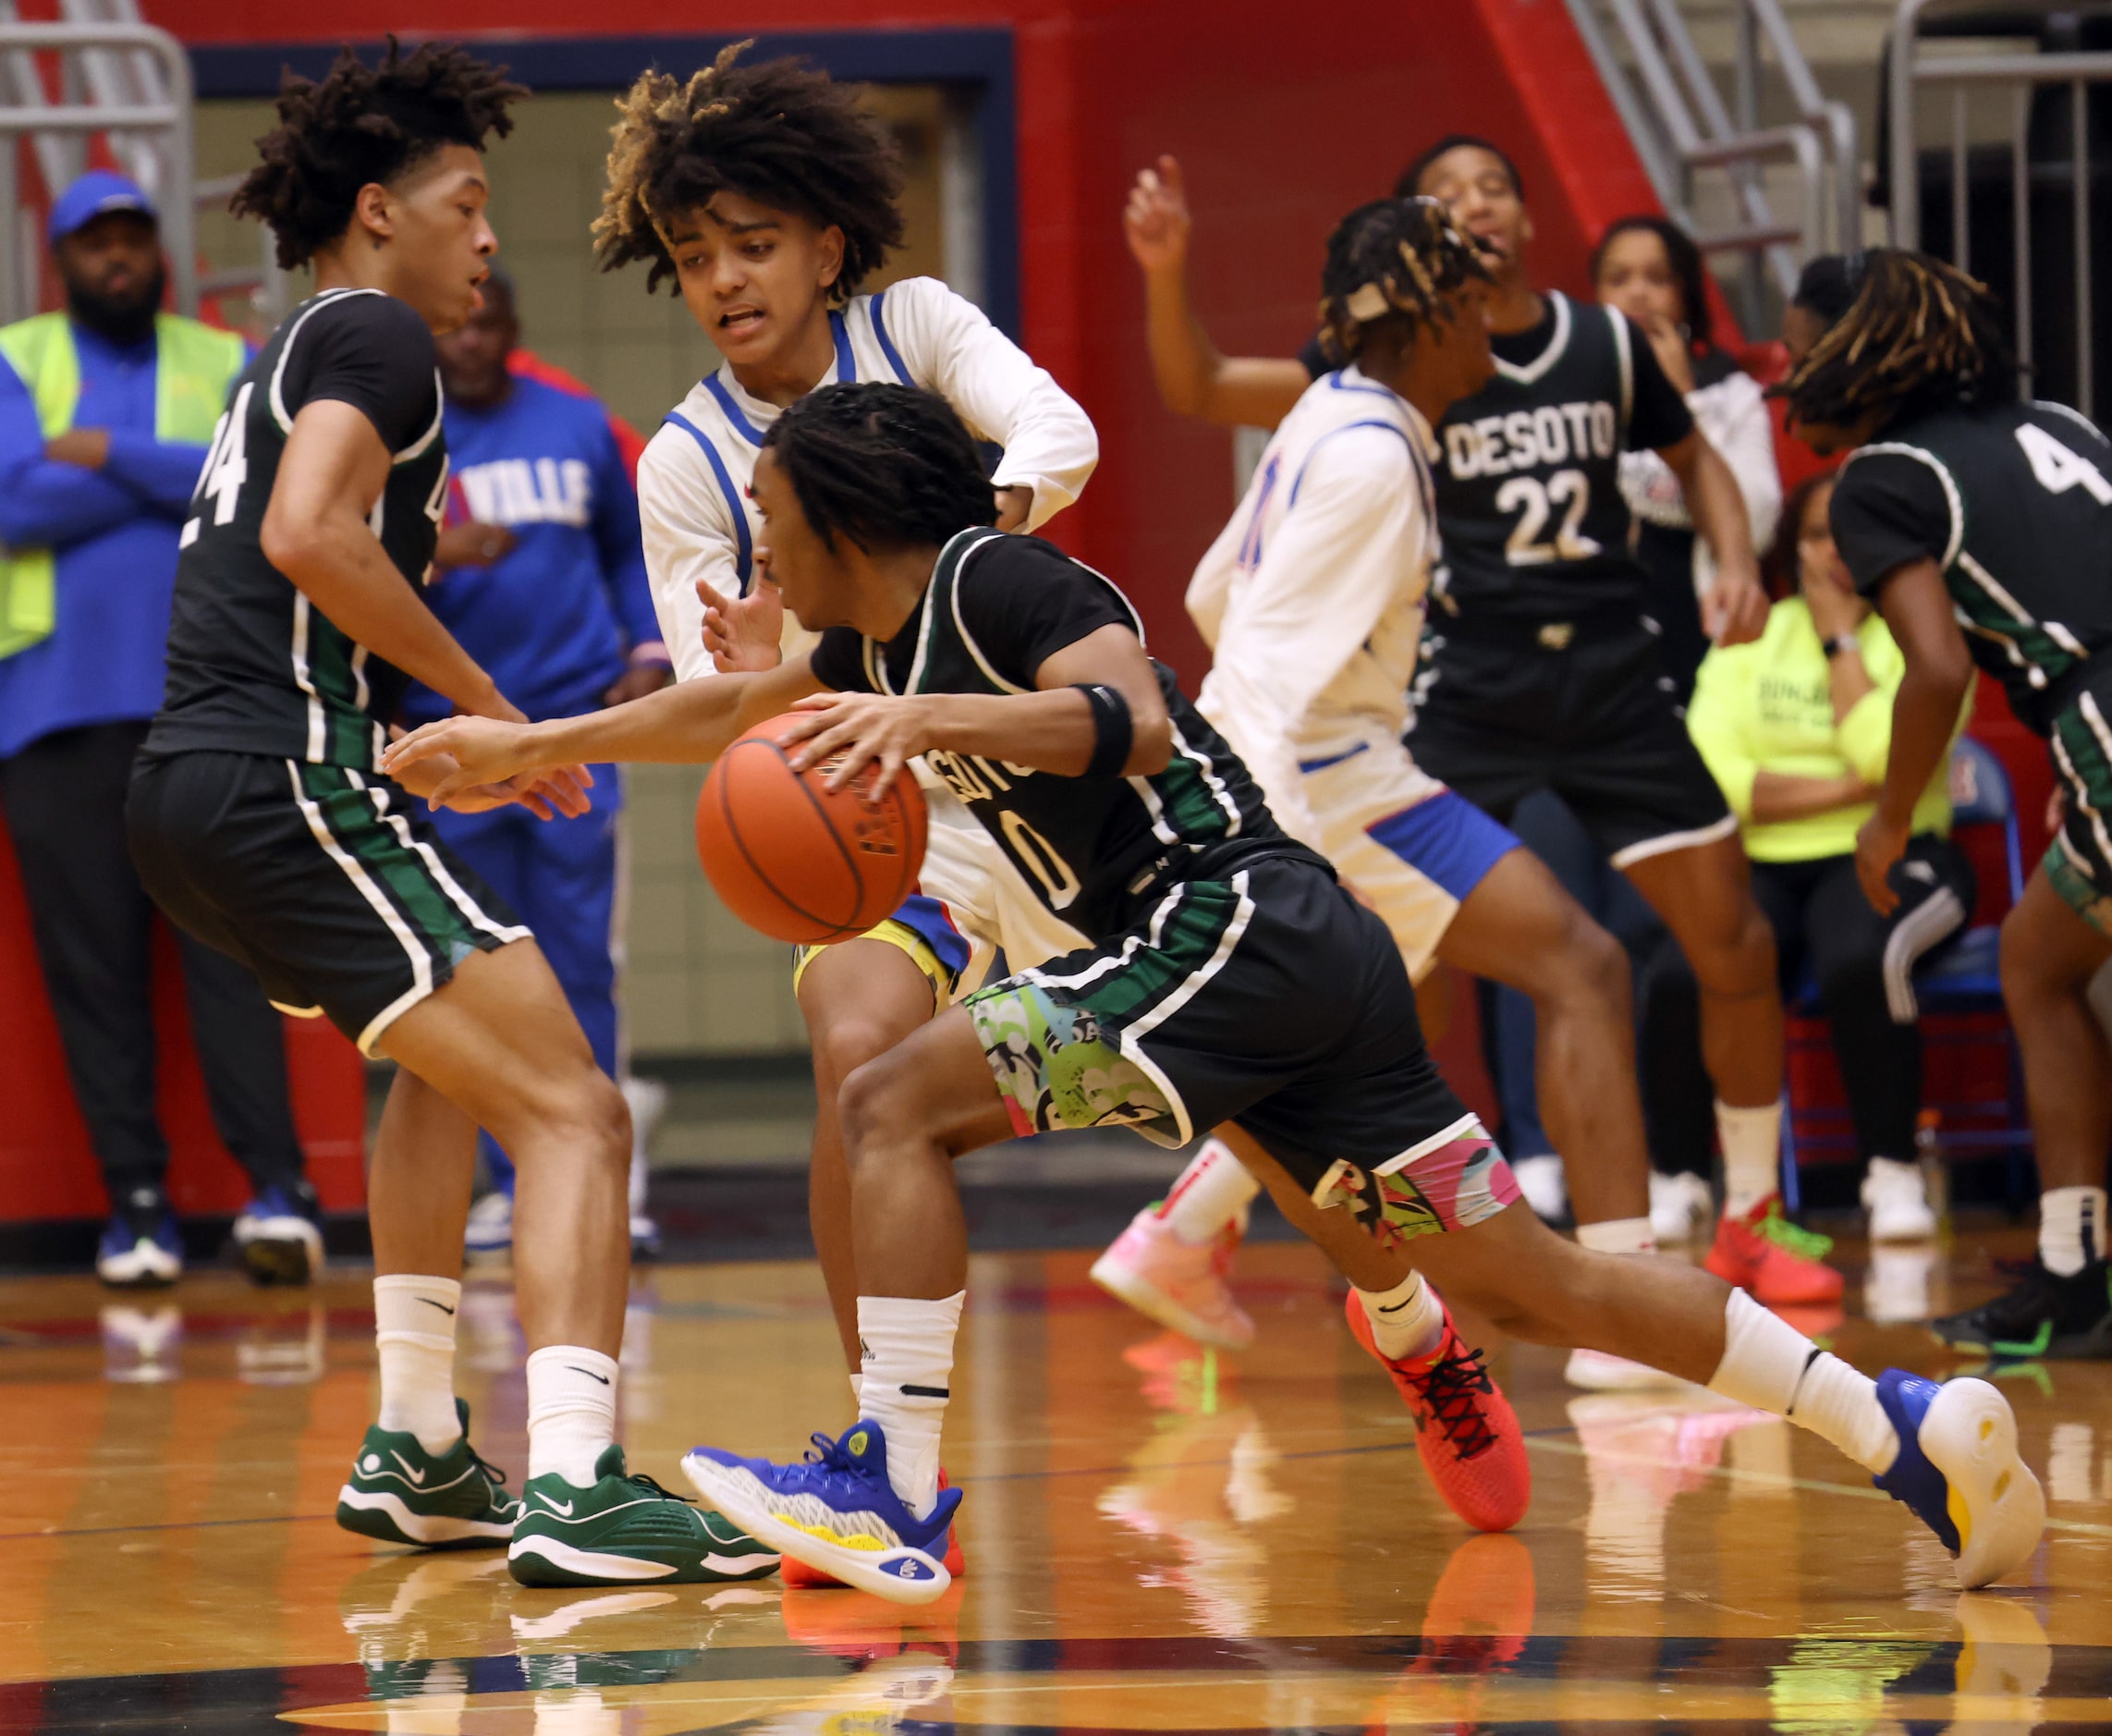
(93, 195)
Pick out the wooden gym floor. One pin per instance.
(1156, 1539)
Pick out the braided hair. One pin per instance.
(886, 466)
(1394, 259)
(778, 132)
(364, 124)
(1919, 335)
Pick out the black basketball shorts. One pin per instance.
(330, 884)
(1268, 997)
(1583, 708)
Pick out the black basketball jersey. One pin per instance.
(2014, 503)
(253, 666)
(998, 606)
(1529, 500)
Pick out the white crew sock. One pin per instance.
(2071, 1229)
(1751, 1142)
(1617, 1235)
(907, 1348)
(857, 1395)
(1772, 1366)
(1406, 1320)
(1208, 1194)
(571, 1411)
(414, 1337)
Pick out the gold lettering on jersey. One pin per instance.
(1525, 439)
(973, 778)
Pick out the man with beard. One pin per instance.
(105, 410)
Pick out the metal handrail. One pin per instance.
(173, 115)
(1680, 122)
(2023, 71)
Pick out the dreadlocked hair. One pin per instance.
(778, 132)
(364, 124)
(1919, 335)
(1394, 259)
(885, 466)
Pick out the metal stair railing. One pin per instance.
(2024, 73)
(1680, 123)
(159, 120)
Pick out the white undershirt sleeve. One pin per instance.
(687, 537)
(1347, 551)
(946, 342)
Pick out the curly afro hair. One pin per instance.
(364, 124)
(778, 132)
(1394, 259)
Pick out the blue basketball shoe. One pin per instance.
(1958, 1470)
(836, 1511)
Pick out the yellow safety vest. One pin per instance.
(194, 365)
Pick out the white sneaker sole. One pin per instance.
(1599, 1372)
(1126, 1284)
(617, 1570)
(426, 1528)
(143, 1267)
(1970, 1434)
(880, 1572)
(279, 1250)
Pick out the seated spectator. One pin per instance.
(1796, 728)
(1648, 268)
(105, 412)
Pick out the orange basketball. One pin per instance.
(795, 862)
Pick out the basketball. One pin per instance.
(794, 861)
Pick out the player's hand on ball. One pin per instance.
(742, 634)
(856, 730)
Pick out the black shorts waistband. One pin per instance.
(1547, 632)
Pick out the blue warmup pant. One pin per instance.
(559, 875)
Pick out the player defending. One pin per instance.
(1227, 979)
(1539, 671)
(769, 196)
(1962, 506)
(1313, 599)
(261, 823)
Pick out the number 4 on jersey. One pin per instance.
(226, 465)
(2058, 468)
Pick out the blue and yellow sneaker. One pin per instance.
(1958, 1470)
(836, 1511)
(400, 1493)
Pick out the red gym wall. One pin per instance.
(1283, 124)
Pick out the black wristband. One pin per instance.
(1112, 732)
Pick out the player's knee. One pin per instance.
(874, 1099)
(581, 1112)
(845, 1041)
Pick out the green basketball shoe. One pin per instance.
(624, 1530)
(400, 1493)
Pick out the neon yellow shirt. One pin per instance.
(1767, 706)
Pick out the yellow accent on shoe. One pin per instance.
(1960, 1516)
(856, 1542)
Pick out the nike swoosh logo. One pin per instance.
(588, 1372)
(416, 1477)
(562, 1509)
(441, 1305)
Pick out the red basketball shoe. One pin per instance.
(794, 1573)
(1778, 1261)
(1465, 1428)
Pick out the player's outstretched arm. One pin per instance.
(1194, 378)
(1053, 729)
(1916, 606)
(1734, 611)
(316, 531)
(689, 723)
